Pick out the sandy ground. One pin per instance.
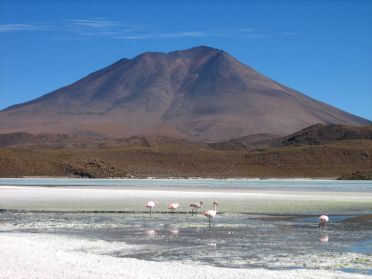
(25, 255)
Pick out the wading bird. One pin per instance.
(211, 213)
(150, 205)
(323, 220)
(195, 207)
(173, 206)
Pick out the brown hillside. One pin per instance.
(200, 94)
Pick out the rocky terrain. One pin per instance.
(347, 157)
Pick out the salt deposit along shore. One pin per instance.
(50, 256)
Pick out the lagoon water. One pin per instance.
(268, 184)
(268, 224)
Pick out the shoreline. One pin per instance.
(61, 256)
(186, 178)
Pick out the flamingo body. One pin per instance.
(211, 213)
(323, 220)
(173, 206)
(150, 205)
(196, 206)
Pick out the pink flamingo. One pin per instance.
(195, 207)
(211, 213)
(150, 205)
(173, 206)
(323, 220)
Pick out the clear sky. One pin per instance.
(321, 48)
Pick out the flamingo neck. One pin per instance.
(215, 208)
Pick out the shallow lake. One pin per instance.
(270, 224)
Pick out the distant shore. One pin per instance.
(349, 160)
(178, 177)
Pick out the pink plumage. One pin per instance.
(173, 206)
(211, 213)
(151, 204)
(195, 206)
(324, 218)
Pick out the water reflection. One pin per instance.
(151, 232)
(324, 237)
(174, 231)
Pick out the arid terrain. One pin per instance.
(319, 151)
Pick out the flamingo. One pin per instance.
(195, 207)
(150, 205)
(211, 213)
(173, 206)
(323, 219)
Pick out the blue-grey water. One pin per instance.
(296, 184)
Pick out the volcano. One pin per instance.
(201, 94)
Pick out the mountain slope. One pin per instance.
(199, 94)
(314, 135)
(320, 134)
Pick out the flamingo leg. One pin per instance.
(209, 221)
(192, 212)
(150, 211)
(322, 225)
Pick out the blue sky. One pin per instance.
(321, 48)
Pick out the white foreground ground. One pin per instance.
(26, 255)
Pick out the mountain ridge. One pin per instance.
(201, 94)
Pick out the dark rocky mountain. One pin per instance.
(200, 94)
(313, 135)
(321, 134)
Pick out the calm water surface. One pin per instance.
(292, 184)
